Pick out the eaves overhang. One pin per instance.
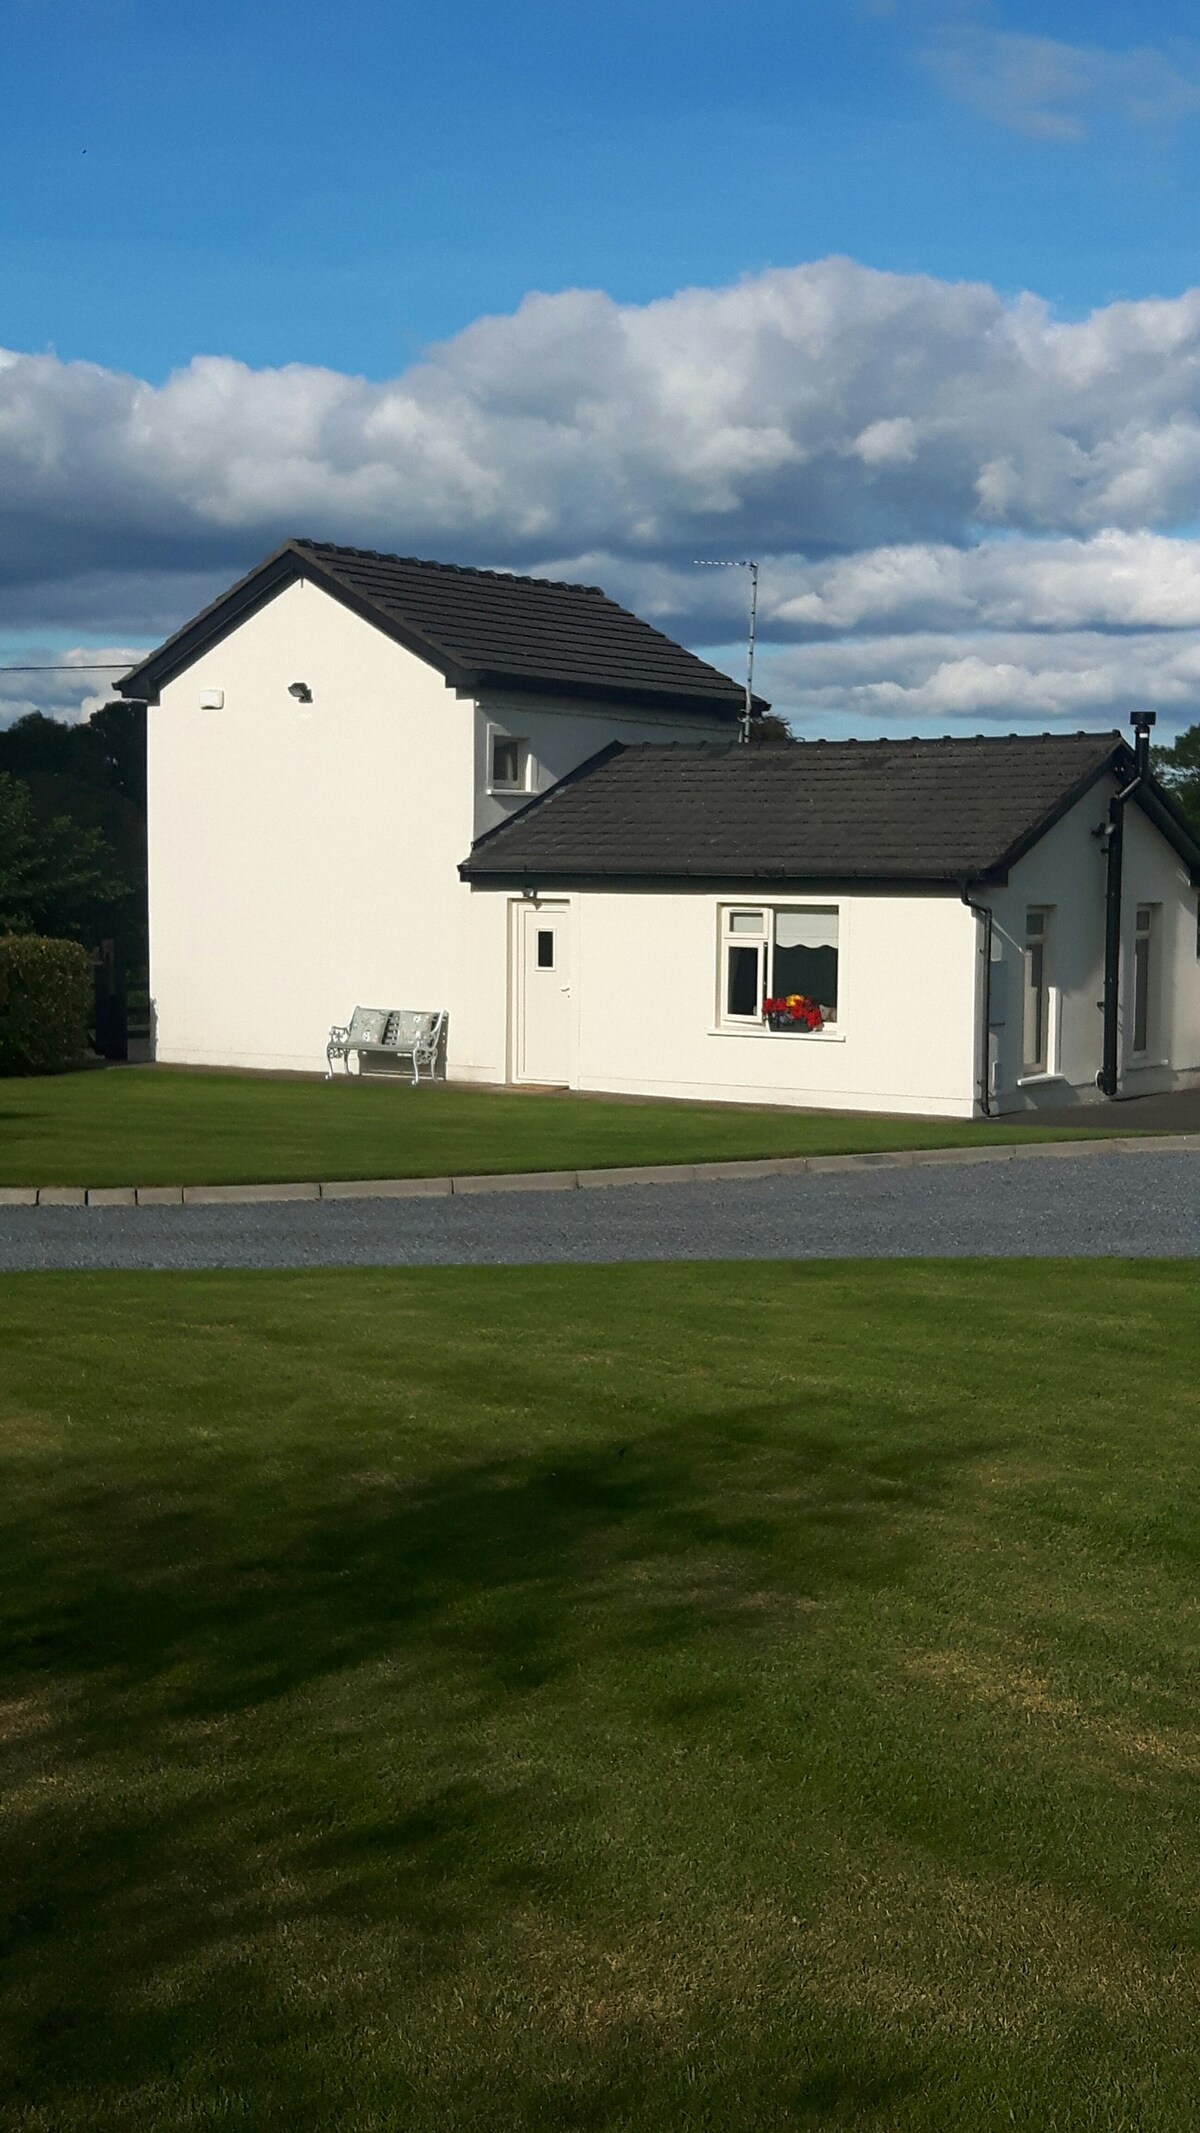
(725, 880)
(1171, 822)
(1113, 764)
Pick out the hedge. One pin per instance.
(45, 1003)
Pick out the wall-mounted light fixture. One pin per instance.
(301, 691)
(212, 699)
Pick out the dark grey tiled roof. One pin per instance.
(497, 627)
(937, 811)
(479, 627)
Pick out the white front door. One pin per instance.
(543, 994)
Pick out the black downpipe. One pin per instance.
(1107, 1078)
(984, 911)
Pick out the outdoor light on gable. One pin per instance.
(301, 691)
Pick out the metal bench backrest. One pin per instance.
(396, 1029)
(410, 1029)
(367, 1026)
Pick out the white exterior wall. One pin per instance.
(1067, 871)
(645, 977)
(303, 858)
(1154, 875)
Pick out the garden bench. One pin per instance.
(402, 1034)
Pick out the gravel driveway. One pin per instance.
(1102, 1206)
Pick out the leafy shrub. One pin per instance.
(45, 1003)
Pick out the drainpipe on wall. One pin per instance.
(1107, 1078)
(984, 911)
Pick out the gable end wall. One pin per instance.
(1066, 870)
(303, 858)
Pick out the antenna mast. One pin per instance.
(741, 563)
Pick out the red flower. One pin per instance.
(796, 1008)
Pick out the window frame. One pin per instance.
(762, 940)
(1039, 943)
(746, 938)
(1144, 960)
(504, 788)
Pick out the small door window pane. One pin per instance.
(742, 996)
(545, 948)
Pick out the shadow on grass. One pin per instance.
(262, 1811)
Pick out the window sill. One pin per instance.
(787, 1036)
(1146, 1066)
(1038, 1081)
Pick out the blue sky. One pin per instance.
(341, 189)
(341, 185)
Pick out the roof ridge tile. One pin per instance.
(462, 570)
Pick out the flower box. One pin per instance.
(796, 1013)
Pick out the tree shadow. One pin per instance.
(250, 1657)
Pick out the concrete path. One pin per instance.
(1099, 1204)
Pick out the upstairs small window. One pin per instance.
(509, 768)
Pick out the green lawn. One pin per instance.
(739, 1698)
(132, 1126)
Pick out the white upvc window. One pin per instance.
(744, 964)
(508, 762)
(1037, 1031)
(1145, 978)
(773, 951)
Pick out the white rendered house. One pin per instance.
(382, 782)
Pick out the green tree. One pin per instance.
(55, 874)
(106, 751)
(1178, 768)
(768, 730)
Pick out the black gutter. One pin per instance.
(1107, 1078)
(984, 911)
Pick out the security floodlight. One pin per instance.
(301, 691)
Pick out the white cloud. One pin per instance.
(1115, 581)
(934, 681)
(825, 406)
(907, 457)
(66, 684)
(1055, 91)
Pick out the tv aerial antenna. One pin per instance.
(703, 562)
